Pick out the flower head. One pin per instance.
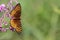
(5, 23)
(6, 10)
(2, 7)
(3, 30)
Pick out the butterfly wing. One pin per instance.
(16, 22)
(16, 12)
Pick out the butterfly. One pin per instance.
(15, 22)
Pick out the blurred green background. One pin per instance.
(40, 21)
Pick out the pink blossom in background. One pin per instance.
(3, 30)
(8, 15)
(2, 7)
(0, 22)
(0, 28)
(5, 23)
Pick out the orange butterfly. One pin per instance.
(15, 22)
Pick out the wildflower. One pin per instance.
(5, 23)
(3, 30)
(2, 7)
(0, 28)
(0, 22)
(8, 15)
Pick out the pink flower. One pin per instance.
(3, 30)
(0, 28)
(8, 15)
(5, 23)
(2, 7)
(0, 22)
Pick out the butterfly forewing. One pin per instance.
(16, 12)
